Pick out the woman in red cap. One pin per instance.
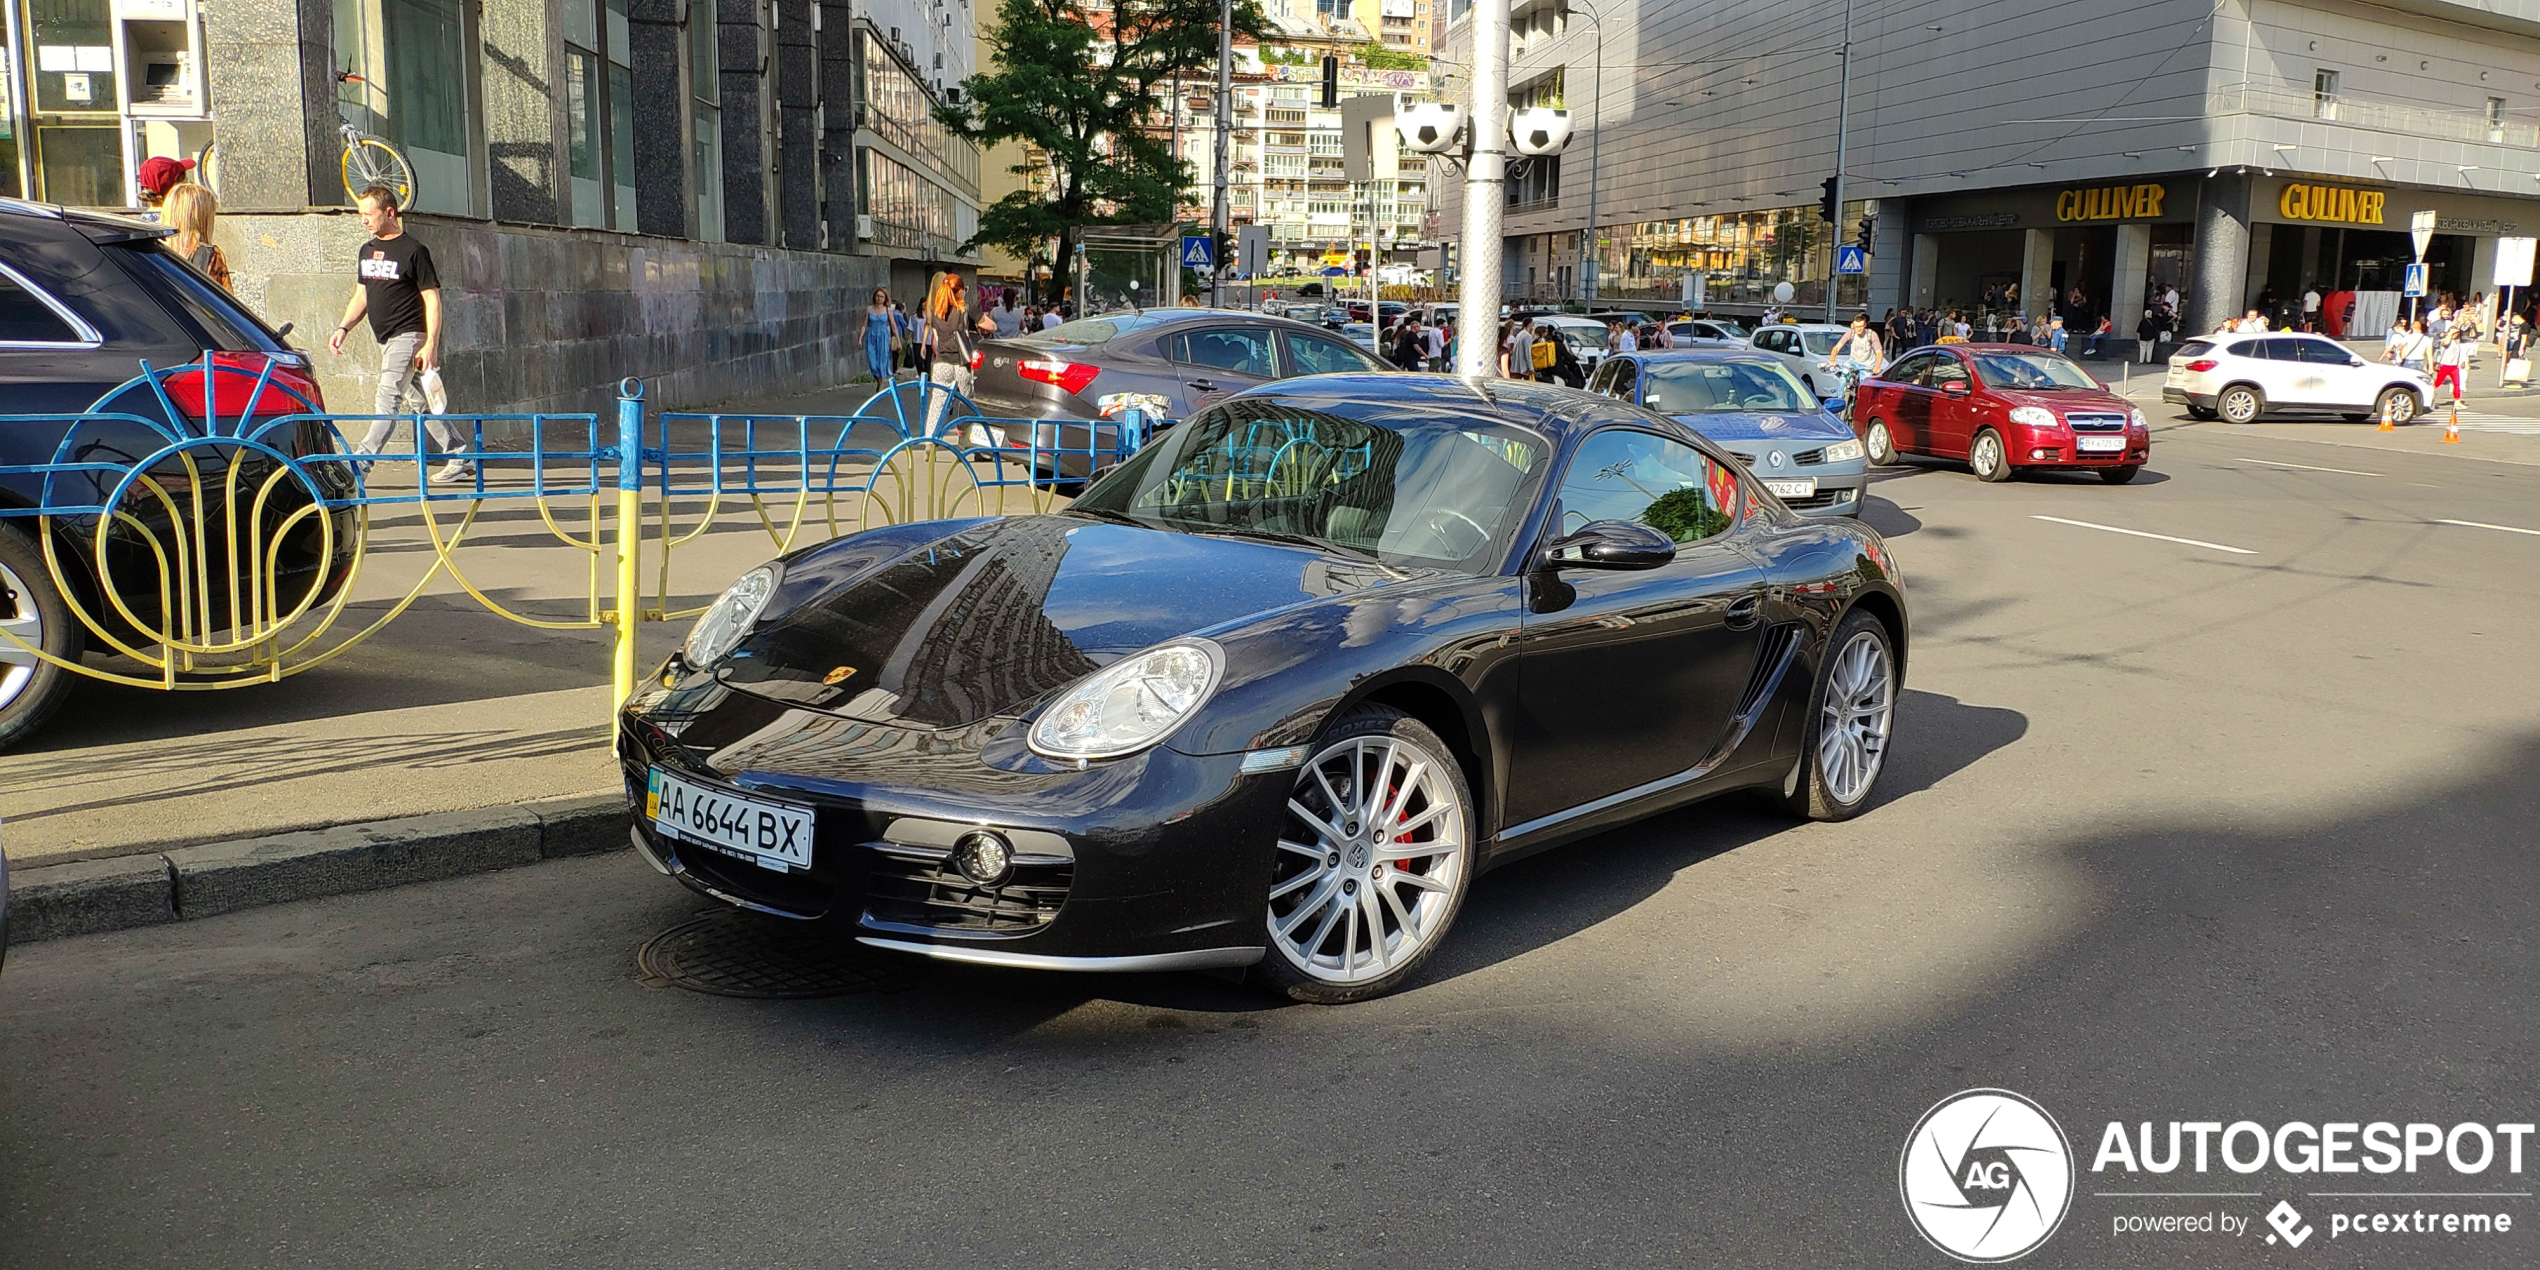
(159, 174)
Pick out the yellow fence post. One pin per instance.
(630, 540)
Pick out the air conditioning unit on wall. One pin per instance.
(863, 226)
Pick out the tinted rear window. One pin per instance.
(1081, 331)
(23, 317)
(223, 321)
(2195, 348)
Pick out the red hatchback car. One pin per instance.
(2000, 407)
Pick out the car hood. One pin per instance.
(1790, 426)
(988, 620)
(2068, 401)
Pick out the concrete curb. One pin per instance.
(89, 896)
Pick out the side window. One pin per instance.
(1245, 352)
(1909, 371)
(1946, 370)
(1626, 382)
(1630, 475)
(2323, 353)
(1314, 355)
(1774, 341)
(2278, 350)
(26, 319)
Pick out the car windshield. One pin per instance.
(1581, 339)
(1729, 329)
(2031, 372)
(1820, 343)
(1440, 491)
(1692, 388)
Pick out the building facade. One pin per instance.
(691, 191)
(2242, 152)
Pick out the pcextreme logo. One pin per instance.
(1987, 1175)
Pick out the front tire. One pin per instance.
(1373, 861)
(1991, 463)
(2119, 475)
(2240, 403)
(2396, 404)
(1851, 716)
(32, 611)
(1879, 443)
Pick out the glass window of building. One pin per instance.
(705, 86)
(600, 114)
(11, 184)
(2324, 94)
(400, 54)
(75, 153)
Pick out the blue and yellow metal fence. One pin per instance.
(197, 551)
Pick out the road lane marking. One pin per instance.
(2480, 524)
(2345, 471)
(2137, 533)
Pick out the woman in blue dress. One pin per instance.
(881, 337)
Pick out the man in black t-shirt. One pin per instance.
(397, 286)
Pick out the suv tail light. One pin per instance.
(2203, 364)
(977, 356)
(230, 390)
(1068, 376)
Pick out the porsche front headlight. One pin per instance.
(2033, 416)
(729, 618)
(1131, 703)
(1843, 451)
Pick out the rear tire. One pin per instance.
(2240, 403)
(2119, 475)
(1879, 444)
(1851, 718)
(31, 689)
(1992, 463)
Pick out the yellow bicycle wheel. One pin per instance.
(371, 161)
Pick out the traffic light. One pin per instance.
(1331, 82)
(1869, 230)
(1826, 205)
(1225, 251)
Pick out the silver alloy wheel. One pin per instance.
(17, 665)
(2239, 405)
(1370, 857)
(1882, 446)
(1853, 723)
(1988, 454)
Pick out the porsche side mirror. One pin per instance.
(1610, 544)
(1956, 388)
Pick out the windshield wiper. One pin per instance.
(1281, 535)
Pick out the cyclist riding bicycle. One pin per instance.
(1856, 354)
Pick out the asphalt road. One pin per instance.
(2171, 832)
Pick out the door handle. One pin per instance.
(1204, 385)
(1743, 612)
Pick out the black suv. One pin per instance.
(85, 299)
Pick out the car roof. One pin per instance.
(1394, 398)
(1706, 353)
(2000, 346)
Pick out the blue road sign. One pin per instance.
(1198, 252)
(1851, 260)
(2416, 279)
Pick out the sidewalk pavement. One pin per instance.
(448, 708)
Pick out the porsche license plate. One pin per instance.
(2097, 445)
(771, 834)
(1793, 489)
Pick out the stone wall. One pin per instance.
(546, 319)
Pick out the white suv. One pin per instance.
(2239, 377)
(1802, 348)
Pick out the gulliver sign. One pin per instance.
(2331, 203)
(2110, 202)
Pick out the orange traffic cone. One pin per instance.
(2389, 414)
(2452, 429)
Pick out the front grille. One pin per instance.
(1743, 457)
(2096, 423)
(1806, 457)
(1820, 499)
(917, 886)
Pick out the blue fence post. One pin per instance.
(630, 538)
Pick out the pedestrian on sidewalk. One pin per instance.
(2452, 362)
(2146, 333)
(882, 338)
(398, 288)
(191, 208)
(949, 332)
(159, 174)
(2015, 333)
(2099, 335)
(2056, 337)
(2397, 339)
(1434, 340)
(2418, 348)
(1009, 318)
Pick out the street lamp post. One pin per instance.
(1596, 145)
(1842, 129)
(1485, 196)
(1225, 127)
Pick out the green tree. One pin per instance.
(1380, 58)
(1081, 95)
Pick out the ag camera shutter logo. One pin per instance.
(1987, 1175)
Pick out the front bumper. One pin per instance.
(1157, 861)
(1840, 487)
(2047, 449)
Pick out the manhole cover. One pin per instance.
(735, 953)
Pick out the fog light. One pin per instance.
(984, 857)
(2039, 454)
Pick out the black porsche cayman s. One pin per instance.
(1272, 692)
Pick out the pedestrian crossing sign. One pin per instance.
(1851, 260)
(2416, 279)
(1198, 252)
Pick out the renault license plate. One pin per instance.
(764, 832)
(1793, 489)
(2089, 445)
